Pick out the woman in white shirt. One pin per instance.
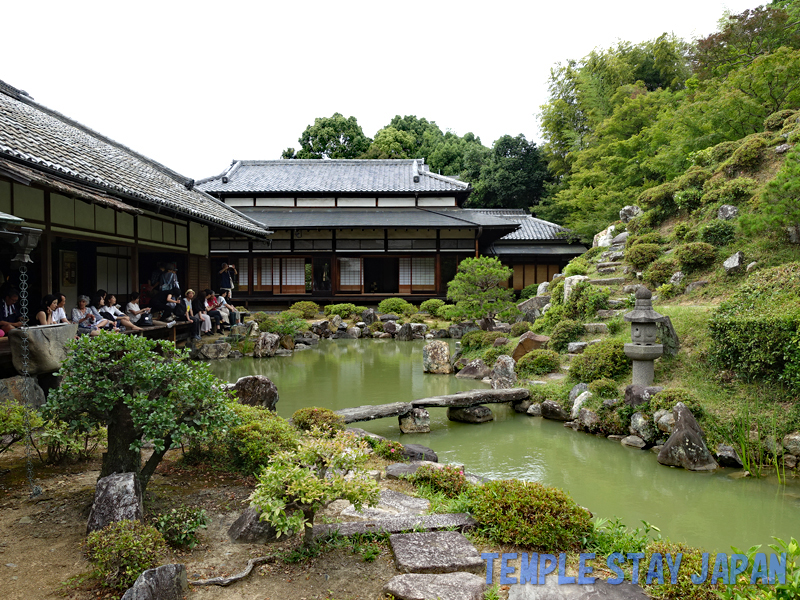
(132, 308)
(120, 317)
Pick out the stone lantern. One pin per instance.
(643, 350)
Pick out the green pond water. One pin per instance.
(710, 510)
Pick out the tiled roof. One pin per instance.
(530, 228)
(331, 177)
(327, 218)
(43, 139)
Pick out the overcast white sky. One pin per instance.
(195, 85)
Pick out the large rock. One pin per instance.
(416, 421)
(603, 239)
(215, 351)
(726, 212)
(250, 529)
(13, 389)
(728, 457)
(595, 327)
(791, 443)
(570, 282)
(734, 264)
(117, 497)
(353, 333)
(641, 426)
(447, 586)
(639, 394)
(405, 334)
(552, 410)
(436, 357)
(371, 412)
(668, 335)
(529, 341)
(321, 328)
(167, 582)
(577, 390)
(677, 278)
(686, 447)
(414, 452)
(578, 403)
(503, 374)
(370, 316)
(435, 552)
(633, 441)
(457, 330)
(256, 390)
(475, 369)
(472, 398)
(266, 345)
(629, 212)
(588, 420)
(46, 347)
(620, 238)
(391, 504)
(471, 414)
(390, 327)
(542, 289)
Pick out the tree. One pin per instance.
(512, 175)
(142, 390)
(778, 207)
(333, 137)
(478, 287)
(297, 483)
(391, 143)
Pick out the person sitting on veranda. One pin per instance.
(199, 309)
(132, 308)
(184, 312)
(226, 309)
(97, 304)
(60, 314)
(115, 313)
(11, 317)
(211, 310)
(84, 317)
(46, 311)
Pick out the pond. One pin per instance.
(710, 510)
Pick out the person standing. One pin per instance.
(226, 278)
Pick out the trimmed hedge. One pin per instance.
(605, 359)
(696, 255)
(641, 255)
(538, 362)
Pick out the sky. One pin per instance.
(196, 85)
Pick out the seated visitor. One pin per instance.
(11, 317)
(45, 314)
(226, 309)
(98, 304)
(84, 317)
(60, 314)
(185, 312)
(132, 308)
(120, 317)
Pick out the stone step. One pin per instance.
(473, 398)
(606, 265)
(608, 281)
(448, 586)
(435, 552)
(459, 521)
(370, 412)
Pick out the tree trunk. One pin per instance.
(308, 513)
(121, 434)
(151, 464)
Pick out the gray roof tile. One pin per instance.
(47, 140)
(338, 176)
(530, 228)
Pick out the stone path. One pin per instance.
(460, 521)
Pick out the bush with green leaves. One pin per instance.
(479, 287)
(397, 306)
(448, 479)
(376, 327)
(289, 322)
(345, 310)
(538, 362)
(732, 191)
(667, 291)
(711, 157)
(577, 266)
(296, 484)
(477, 339)
(530, 515)
(306, 308)
(312, 417)
(659, 195)
(606, 359)
(777, 206)
(259, 436)
(747, 156)
(695, 256)
(388, 449)
(140, 389)
(491, 354)
(611, 535)
(660, 271)
(431, 306)
(585, 300)
(13, 426)
(564, 332)
(668, 398)
(652, 237)
(517, 329)
(681, 231)
(122, 550)
(604, 388)
(718, 232)
(529, 291)
(179, 526)
(689, 199)
(65, 444)
(641, 255)
(449, 312)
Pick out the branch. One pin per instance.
(225, 581)
(152, 462)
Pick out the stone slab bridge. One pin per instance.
(414, 418)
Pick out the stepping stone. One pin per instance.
(449, 586)
(398, 470)
(391, 504)
(435, 552)
(368, 413)
(599, 590)
(460, 521)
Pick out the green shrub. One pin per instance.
(417, 317)
(306, 308)
(564, 332)
(289, 315)
(604, 388)
(592, 252)
(314, 416)
(359, 309)
(431, 306)
(538, 362)
(660, 195)
(529, 291)
(577, 266)
(695, 256)
(179, 526)
(397, 306)
(388, 449)
(711, 157)
(668, 398)
(121, 551)
(585, 300)
(652, 237)
(694, 177)
(286, 323)
(449, 479)
(12, 422)
(641, 255)
(490, 355)
(718, 232)
(680, 231)
(734, 191)
(64, 444)
(345, 310)
(261, 434)
(774, 122)
(605, 359)
(517, 329)
(474, 340)
(684, 589)
(376, 327)
(660, 271)
(667, 291)
(689, 199)
(747, 156)
(449, 312)
(529, 514)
